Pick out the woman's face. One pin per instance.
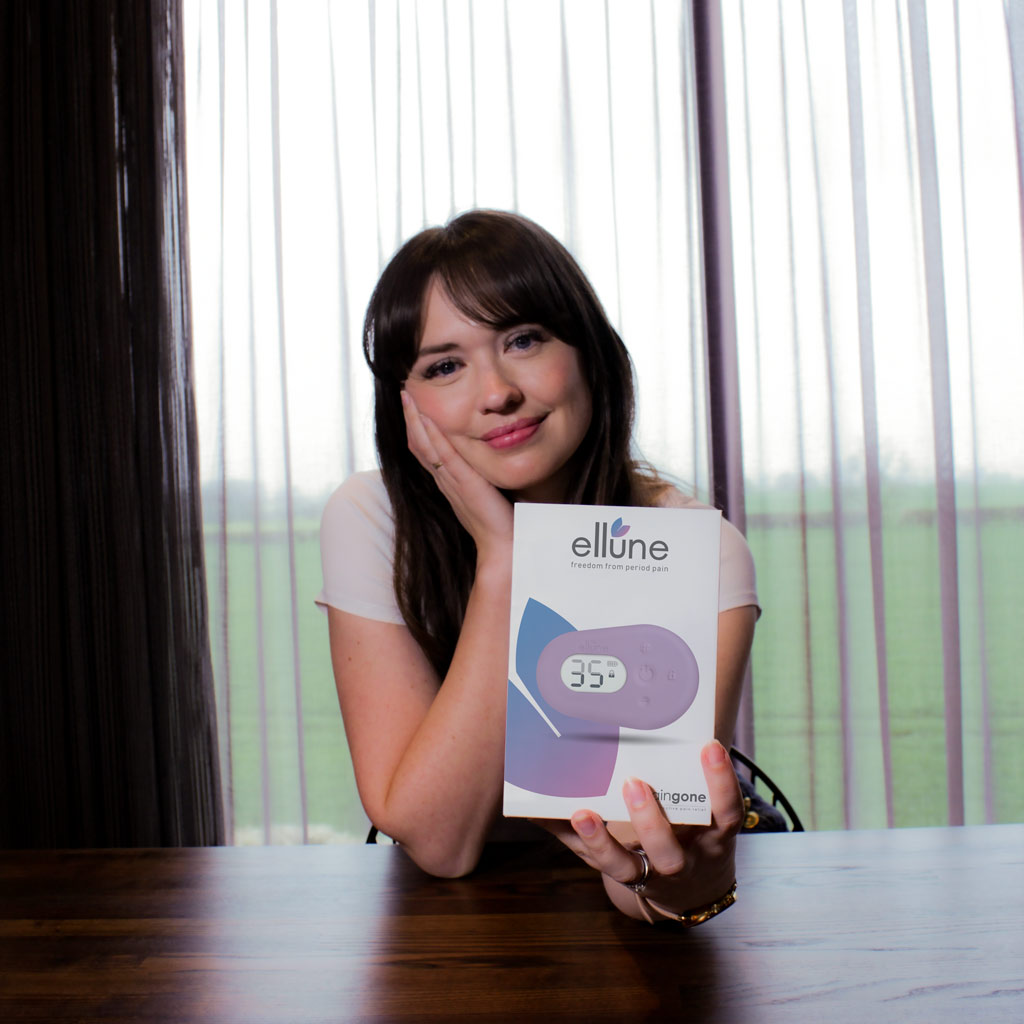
(512, 402)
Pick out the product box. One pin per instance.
(612, 654)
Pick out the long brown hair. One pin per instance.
(498, 269)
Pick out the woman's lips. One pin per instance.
(513, 434)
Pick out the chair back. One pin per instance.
(760, 781)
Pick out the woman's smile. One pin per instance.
(513, 434)
(512, 401)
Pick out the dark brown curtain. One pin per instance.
(107, 734)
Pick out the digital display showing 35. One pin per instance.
(595, 675)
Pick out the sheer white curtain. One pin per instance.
(876, 190)
(874, 184)
(320, 136)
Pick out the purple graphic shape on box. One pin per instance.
(638, 677)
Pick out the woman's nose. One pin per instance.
(499, 391)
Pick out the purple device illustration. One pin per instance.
(639, 677)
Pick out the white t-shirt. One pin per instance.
(357, 547)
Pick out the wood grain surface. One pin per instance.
(906, 925)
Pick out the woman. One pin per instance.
(497, 379)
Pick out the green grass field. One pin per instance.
(796, 670)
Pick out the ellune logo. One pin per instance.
(604, 544)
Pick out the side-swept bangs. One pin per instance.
(498, 269)
(502, 270)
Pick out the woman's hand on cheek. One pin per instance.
(690, 865)
(481, 508)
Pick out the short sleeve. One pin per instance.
(357, 550)
(737, 583)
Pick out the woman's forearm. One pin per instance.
(446, 789)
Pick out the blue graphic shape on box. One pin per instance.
(580, 762)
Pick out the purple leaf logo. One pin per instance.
(618, 530)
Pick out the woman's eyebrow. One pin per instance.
(433, 350)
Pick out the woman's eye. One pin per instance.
(524, 340)
(442, 368)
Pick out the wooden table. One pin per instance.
(908, 925)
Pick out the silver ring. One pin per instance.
(645, 871)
